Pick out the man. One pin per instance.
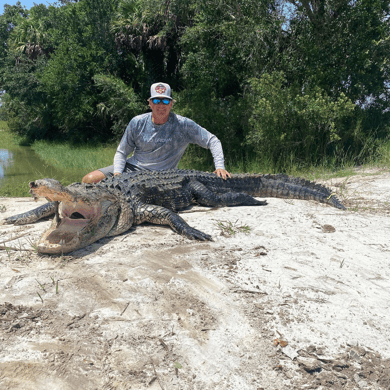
(159, 140)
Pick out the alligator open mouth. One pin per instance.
(69, 221)
(78, 220)
(72, 221)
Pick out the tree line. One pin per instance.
(277, 79)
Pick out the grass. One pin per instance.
(12, 189)
(40, 297)
(384, 153)
(7, 138)
(228, 228)
(67, 156)
(328, 169)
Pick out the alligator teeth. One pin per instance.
(57, 216)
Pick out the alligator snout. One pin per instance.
(33, 185)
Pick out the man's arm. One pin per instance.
(119, 162)
(204, 138)
(125, 147)
(217, 152)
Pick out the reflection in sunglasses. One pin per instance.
(159, 101)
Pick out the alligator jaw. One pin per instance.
(78, 222)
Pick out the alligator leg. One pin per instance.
(163, 216)
(205, 197)
(32, 215)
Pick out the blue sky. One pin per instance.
(27, 3)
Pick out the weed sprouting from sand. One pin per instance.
(177, 366)
(55, 283)
(229, 228)
(41, 286)
(32, 244)
(63, 261)
(8, 250)
(40, 297)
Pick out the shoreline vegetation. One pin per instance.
(86, 158)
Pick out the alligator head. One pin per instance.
(84, 214)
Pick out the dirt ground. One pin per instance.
(292, 295)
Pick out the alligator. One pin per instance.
(85, 213)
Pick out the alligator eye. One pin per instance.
(76, 215)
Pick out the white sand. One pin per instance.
(306, 273)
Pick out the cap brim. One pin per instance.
(161, 96)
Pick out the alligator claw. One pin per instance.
(194, 234)
(8, 221)
(15, 220)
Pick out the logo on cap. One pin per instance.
(160, 89)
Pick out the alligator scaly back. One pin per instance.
(255, 185)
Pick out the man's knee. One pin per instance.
(93, 177)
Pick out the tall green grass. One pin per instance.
(329, 167)
(89, 158)
(7, 139)
(384, 155)
(13, 190)
(67, 156)
(310, 172)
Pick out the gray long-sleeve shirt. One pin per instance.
(159, 147)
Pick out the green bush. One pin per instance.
(288, 121)
(118, 102)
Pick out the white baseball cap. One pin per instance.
(161, 90)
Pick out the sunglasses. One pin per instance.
(159, 101)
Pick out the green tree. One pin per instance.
(9, 19)
(118, 102)
(56, 53)
(24, 105)
(343, 45)
(151, 30)
(288, 122)
(32, 35)
(227, 43)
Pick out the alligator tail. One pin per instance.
(283, 186)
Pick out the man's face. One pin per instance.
(160, 111)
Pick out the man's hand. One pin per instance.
(116, 174)
(222, 173)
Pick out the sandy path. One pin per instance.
(152, 310)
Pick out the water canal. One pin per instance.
(20, 164)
